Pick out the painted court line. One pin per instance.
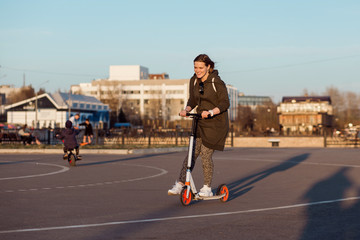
(63, 169)
(162, 172)
(179, 218)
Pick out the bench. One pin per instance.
(274, 142)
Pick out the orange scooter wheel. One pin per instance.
(223, 189)
(184, 200)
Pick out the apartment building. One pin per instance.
(305, 115)
(148, 98)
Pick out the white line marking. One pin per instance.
(162, 172)
(63, 169)
(179, 218)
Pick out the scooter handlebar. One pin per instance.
(193, 114)
(196, 115)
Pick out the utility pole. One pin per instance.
(36, 111)
(69, 103)
(36, 105)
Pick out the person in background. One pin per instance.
(74, 120)
(209, 94)
(88, 135)
(68, 135)
(27, 137)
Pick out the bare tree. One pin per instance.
(22, 94)
(345, 106)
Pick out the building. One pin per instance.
(52, 110)
(157, 98)
(2, 99)
(233, 98)
(7, 90)
(305, 115)
(253, 101)
(128, 72)
(159, 76)
(152, 99)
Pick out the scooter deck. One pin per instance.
(197, 197)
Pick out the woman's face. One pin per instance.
(200, 69)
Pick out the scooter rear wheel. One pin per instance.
(221, 190)
(184, 200)
(72, 160)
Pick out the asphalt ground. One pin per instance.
(275, 193)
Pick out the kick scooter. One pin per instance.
(72, 158)
(189, 191)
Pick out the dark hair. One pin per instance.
(205, 59)
(68, 124)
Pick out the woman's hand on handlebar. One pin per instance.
(183, 113)
(205, 114)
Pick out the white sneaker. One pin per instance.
(205, 191)
(176, 189)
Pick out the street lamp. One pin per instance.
(36, 105)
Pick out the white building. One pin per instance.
(149, 98)
(54, 109)
(233, 98)
(8, 89)
(5, 91)
(128, 72)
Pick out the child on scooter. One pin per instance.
(68, 135)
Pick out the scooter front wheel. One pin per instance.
(223, 189)
(185, 200)
(72, 160)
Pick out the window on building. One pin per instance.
(82, 105)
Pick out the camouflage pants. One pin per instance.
(206, 159)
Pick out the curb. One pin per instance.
(96, 151)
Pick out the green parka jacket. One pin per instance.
(213, 131)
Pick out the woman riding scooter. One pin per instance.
(209, 94)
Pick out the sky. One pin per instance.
(270, 48)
